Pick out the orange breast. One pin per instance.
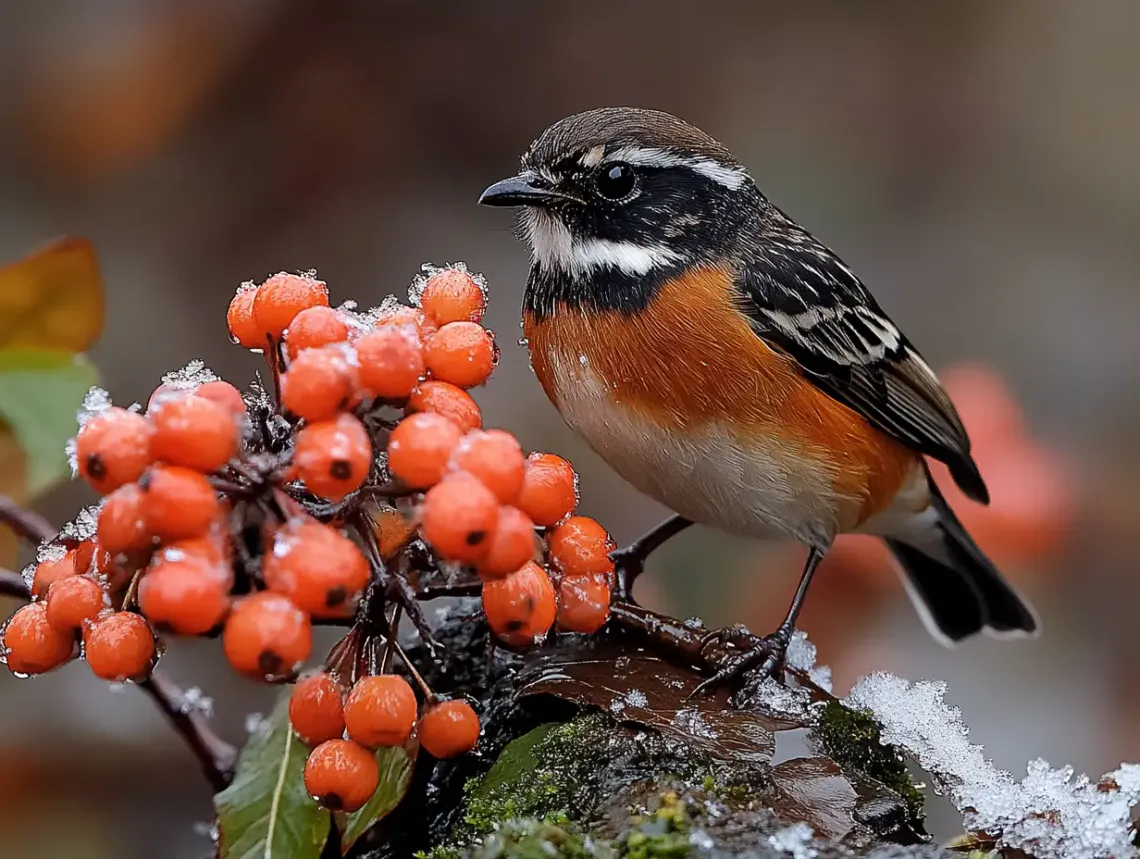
(691, 360)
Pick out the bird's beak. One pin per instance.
(526, 189)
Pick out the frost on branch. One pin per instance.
(1049, 814)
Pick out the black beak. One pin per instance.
(526, 189)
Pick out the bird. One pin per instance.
(729, 365)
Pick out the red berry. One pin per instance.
(73, 600)
(459, 517)
(178, 503)
(313, 327)
(341, 775)
(194, 432)
(189, 596)
(32, 644)
(122, 521)
(448, 729)
(419, 449)
(224, 394)
(550, 489)
(391, 361)
(453, 295)
(113, 448)
(462, 353)
(267, 636)
(580, 547)
(316, 709)
(119, 646)
(239, 317)
(583, 603)
(333, 457)
(316, 566)
(52, 570)
(320, 383)
(283, 296)
(448, 401)
(380, 711)
(520, 607)
(512, 545)
(495, 458)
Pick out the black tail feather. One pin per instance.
(957, 586)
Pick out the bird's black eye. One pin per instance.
(616, 181)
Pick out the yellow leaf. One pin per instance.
(13, 483)
(52, 298)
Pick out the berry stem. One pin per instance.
(429, 696)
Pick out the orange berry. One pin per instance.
(313, 327)
(391, 361)
(459, 517)
(194, 432)
(401, 314)
(583, 603)
(512, 545)
(279, 300)
(212, 547)
(452, 295)
(239, 317)
(316, 709)
(580, 547)
(122, 521)
(224, 394)
(316, 567)
(73, 600)
(447, 400)
(178, 503)
(119, 646)
(333, 457)
(267, 636)
(495, 458)
(52, 570)
(320, 383)
(32, 645)
(550, 489)
(186, 596)
(520, 607)
(448, 729)
(380, 711)
(113, 448)
(419, 449)
(341, 775)
(462, 353)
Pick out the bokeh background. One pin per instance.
(975, 162)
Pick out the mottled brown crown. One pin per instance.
(616, 127)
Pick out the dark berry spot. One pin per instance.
(270, 664)
(95, 466)
(335, 596)
(530, 604)
(340, 469)
(515, 625)
(474, 538)
(332, 801)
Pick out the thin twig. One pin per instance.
(27, 525)
(216, 757)
(13, 585)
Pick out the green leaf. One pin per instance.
(267, 813)
(395, 776)
(40, 391)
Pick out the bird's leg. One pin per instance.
(629, 563)
(760, 657)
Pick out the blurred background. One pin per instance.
(974, 162)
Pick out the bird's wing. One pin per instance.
(804, 301)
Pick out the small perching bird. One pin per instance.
(732, 367)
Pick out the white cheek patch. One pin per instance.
(554, 247)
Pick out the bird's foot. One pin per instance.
(735, 654)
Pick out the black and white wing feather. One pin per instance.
(804, 301)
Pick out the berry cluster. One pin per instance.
(359, 485)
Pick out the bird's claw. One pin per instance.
(737, 654)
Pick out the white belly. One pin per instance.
(751, 487)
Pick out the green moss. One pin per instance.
(529, 839)
(853, 739)
(661, 835)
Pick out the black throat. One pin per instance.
(556, 290)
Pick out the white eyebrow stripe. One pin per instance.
(593, 157)
(730, 177)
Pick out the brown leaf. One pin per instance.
(52, 298)
(633, 685)
(816, 792)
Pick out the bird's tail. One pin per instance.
(955, 587)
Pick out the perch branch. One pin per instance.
(26, 524)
